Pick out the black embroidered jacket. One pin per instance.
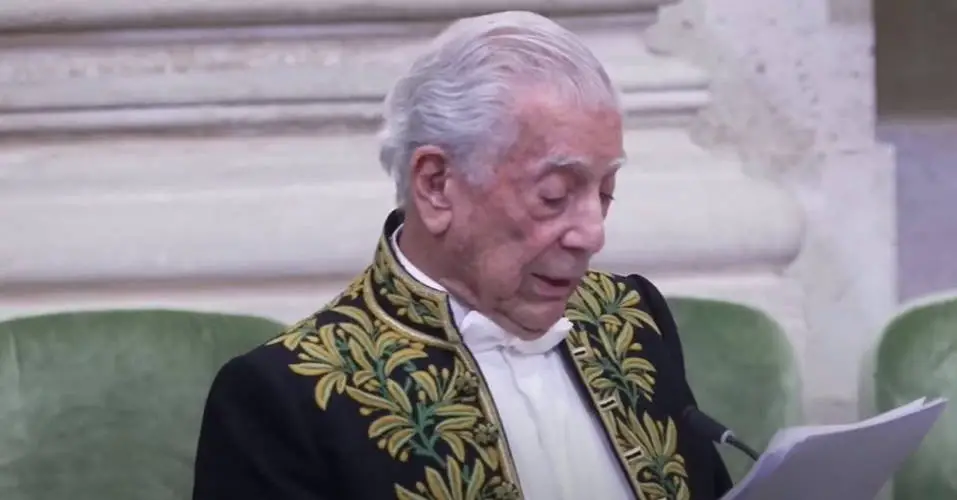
(376, 397)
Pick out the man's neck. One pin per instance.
(418, 247)
(423, 251)
(463, 313)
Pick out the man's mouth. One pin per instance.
(559, 282)
(554, 284)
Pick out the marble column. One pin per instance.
(221, 155)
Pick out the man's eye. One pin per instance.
(607, 197)
(553, 199)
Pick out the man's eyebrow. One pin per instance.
(579, 165)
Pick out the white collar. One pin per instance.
(479, 332)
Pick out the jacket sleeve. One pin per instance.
(669, 332)
(254, 442)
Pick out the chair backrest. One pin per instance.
(107, 405)
(741, 367)
(917, 357)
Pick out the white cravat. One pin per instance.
(559, 448)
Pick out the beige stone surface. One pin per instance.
(210, 165)
(794, 97)
(24, 14)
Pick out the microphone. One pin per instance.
(711, 429)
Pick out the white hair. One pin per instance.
(458, 95)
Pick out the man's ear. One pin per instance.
(430, 176)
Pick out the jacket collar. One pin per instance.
(405, 300)
(418, 302)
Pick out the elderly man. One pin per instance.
(477, 357)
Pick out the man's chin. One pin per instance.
(537, 320)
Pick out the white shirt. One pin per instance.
(559, 448)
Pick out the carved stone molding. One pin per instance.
(228, 209)
(257, 79)
(22, 15)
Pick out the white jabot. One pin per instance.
(559, 447)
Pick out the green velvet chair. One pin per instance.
(917, 357)
(742, 368)
(107, 405)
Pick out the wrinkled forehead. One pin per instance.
(555, 134)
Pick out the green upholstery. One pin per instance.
(917, 357)
(742, 369)
(107, 405)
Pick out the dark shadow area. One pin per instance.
(916, 51)
(916, 77)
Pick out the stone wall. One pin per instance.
(794, 98)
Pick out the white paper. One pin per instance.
(838, 462)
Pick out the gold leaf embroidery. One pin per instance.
(366, 355)
(413, 408)
(458, 484)
(607, 354)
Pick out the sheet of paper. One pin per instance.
(838, 462)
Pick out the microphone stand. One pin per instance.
(710, 428)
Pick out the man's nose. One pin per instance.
(588, 232)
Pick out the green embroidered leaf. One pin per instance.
(575, 315)
(455, 444)
(594, 288)
(684, 493)
(654, 433)
(626, 336)
(592, 373)
(611, 322)
(356, 334)
(594, 308)
(359, 355)
(325, 386)
(371, 400)
(455, 424)
(607, 287)
(404, 494)
(635, 364)
(674, 468)
(311, 369)
(401, 357)
(603, 384)
(386, 424)
(454, 473)
(640, 318)
(327, 334)
(360, 316)
(398, 439)
(437, 485)
(322, 353)
(476, 482)
(458, 410)
(670, 445)
(488, 454)
(654, 491)
(291, 339)
(399, 396)
(427, 383)
(362, 377)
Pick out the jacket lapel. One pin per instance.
(605, 349)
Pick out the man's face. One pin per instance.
(524, 238)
